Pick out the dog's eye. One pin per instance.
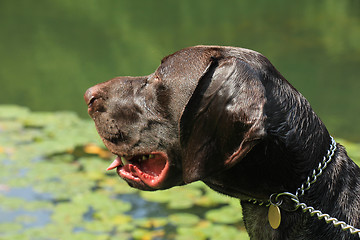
(153, 79)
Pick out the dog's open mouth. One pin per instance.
(147, 169)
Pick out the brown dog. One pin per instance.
(227, 117)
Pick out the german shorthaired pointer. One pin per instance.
(227, 117)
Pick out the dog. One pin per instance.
(227, 117)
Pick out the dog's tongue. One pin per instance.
(117, 162)
(153, 166)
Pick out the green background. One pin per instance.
(52, 51)
(53, 183)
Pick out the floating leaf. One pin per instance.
(68, 214)
(225, 214)
(184, 219)
(88, 235)
(62, 158)
(17, 236)
(120, 219)
(151, 222)
(97, 226)
(26, 219)
(11, 203)
(177, 203)
(52, 231)
(193, 233)
(114, 184)
(12, 111)
(35, 205)
(8, 228)
(212, 199)
(159, 196)
(105, 207)
(8, 127)
(177, 197)
(92, 163)
(58, 161)
(144, 234)
(183, 198)
(220, 232)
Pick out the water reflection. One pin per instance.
(53, 51)
(27, 218)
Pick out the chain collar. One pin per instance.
(277, 199)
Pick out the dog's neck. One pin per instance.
(267, 170)
(273, 167)
(335, 193)
(283, 160)
(281, 163)
(330, 194)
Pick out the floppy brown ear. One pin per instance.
(223, 120)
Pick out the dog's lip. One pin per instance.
(143, 170)
(119, 161)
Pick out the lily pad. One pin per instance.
(225, 214)
(11, 202)
(176, 198)
(68, 214)
(184, 219)
(96, 227)
(104, 206)
(193, 233)
(60, 160)
(140, 234)
(13, 111)
(151, 223)
(160, 197)
(212, 198)
(220, 232)
(9, 227)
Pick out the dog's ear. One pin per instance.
(223, 120)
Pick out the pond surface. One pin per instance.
(52, 51)
(53, 186)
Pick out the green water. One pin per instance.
(52, 51)
(53, 186)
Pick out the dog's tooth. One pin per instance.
(124, 160)
(114, 164)
(151, 156)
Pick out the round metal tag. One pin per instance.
(274, 216)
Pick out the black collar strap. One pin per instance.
(278, 201)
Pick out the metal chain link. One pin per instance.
(344, 226)
(318, 171)
(259, 202)
(306, 186)
(328, 219)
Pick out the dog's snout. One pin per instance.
(91, 97)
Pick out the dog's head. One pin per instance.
(199, 113)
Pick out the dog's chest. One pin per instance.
(258, 226)
(256, 222)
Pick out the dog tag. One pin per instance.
(274, 216)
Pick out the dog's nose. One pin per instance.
(91, 96)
